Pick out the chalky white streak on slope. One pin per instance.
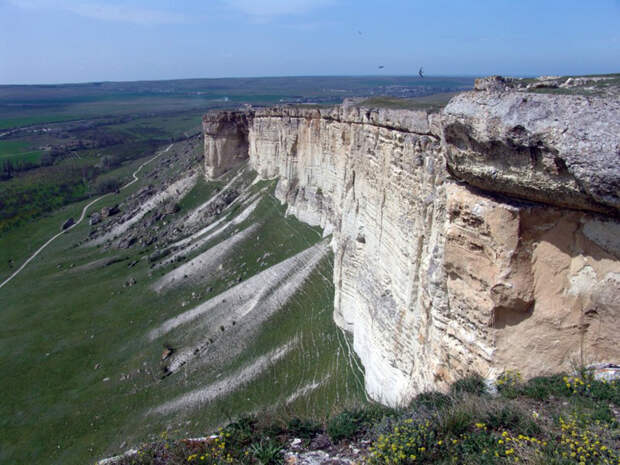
(194, 217)
(228, 384)
(271, 288)
(245, 309)
(203, 240)
(242, 198)
(206, 262)
(176, 190)
(302, 391)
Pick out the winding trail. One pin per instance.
(84, 210)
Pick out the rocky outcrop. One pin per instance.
(226, 140)
(480, 239)
(559, 150)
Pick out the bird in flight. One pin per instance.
(381, 66)
(421, 72)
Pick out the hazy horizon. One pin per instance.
(309, 76)
(81, 41)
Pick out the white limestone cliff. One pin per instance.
(455, 250)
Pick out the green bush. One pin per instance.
(473, 384)
(303, 429)
(605, 391)
(107, 185)
(512, 418)
(424, 441)
(243, 430)
(345, 425)
(432, 400)
(409, 441)
(477, 448)
(509, 384)
(455, 420)
(266, 452)
(541, 388)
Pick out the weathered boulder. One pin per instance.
(95, 218)
(493, 84)
(110, 211)
(561, 150)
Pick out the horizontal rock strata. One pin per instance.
(480, 239)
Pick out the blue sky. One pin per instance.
(51, 41)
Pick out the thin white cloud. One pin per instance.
(105, 11)
(270, 8)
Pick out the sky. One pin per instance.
(59, 41)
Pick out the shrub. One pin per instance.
(513, 418)
(216, 452)
(473, 384)
(579, 444)
(428, 442)
(408, 442)
(540, 388)
(606, 391)
(346, 424)
(509, 383)
(342, 426)
(455, 420)
(107, 185)
(477, 448)
(267, 452)
(350, 423)
(432, 400)
(303, 429)
(242, 427)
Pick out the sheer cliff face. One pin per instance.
(226, 141)
(376, 181)
(436, 275)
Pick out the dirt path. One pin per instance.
(84, 210)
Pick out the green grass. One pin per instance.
(161, 126)
(431, 103)
(18, 151)
(56, 407)
(202, 190)
(8, 123)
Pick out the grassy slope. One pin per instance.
(57, 324)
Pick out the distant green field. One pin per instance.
(160, 126)
(18, 151)
(8, 123)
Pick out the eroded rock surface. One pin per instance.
(562, 150)
(226, 140)
(480, 239)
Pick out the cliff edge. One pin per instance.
(482, 238)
